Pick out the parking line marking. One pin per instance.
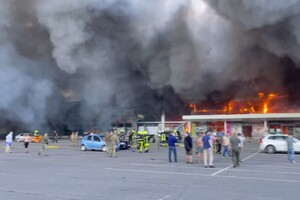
(165, 197)
(158, 172)
(268, 172)
(204, 175)
(168, 166)
(261, 179)
(226, 168)
(270, 166)
(221, 170)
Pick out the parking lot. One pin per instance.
(68, 173)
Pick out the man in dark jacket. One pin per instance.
(235, 150)
(172, 141)
(188, 145)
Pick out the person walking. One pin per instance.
(188, 145)
(45, 143)
(8, 141)
(72, 139)
(113, 143)
(55, 137)
(27, 140)
(172, 141)
(199, 147)
(226, 146)
(235, 149)
(208, 150)
(290, 147)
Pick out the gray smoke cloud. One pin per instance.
(116, 56)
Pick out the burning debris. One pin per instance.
(116, 55)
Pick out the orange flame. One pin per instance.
(266, 109)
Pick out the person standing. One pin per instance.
(172, 141)
(72, 138)
(76, 139)
(113, 143)
(235, 149)
(27, 140)
(241, 144)
(188, 145)
(107, 141)
(157, 140)
(199, 147)
(208, 150)
(45, 142)
(226, 146)
(8, 141)
(290, 148)
(219, 140)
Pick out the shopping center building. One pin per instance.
(251, 125)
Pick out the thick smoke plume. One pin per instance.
(140, 56)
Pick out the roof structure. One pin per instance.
(244, 117)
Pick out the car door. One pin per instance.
(281, 143)
(89, 142)
(297, 145)
(98, 143)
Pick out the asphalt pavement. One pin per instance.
(68, 173)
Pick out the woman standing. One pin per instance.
(8, 141)
(27, 139)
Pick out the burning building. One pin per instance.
(255, 117)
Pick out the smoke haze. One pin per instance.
(140, 55)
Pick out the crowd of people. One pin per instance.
(204, 146)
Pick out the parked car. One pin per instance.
(20, 137)
(272, 143)
(96, 142)
(93, 142)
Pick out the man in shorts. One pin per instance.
(199, 147)
(27, 139)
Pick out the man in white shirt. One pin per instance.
(241, 144)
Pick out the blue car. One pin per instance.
(93, 142)
(96, 142)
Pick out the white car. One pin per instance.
(272, 143)
(20, 137)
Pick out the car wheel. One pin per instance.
(83, 148)
(104, 148)
(270, 149)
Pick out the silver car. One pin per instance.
(20, 137)
(272, 143)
